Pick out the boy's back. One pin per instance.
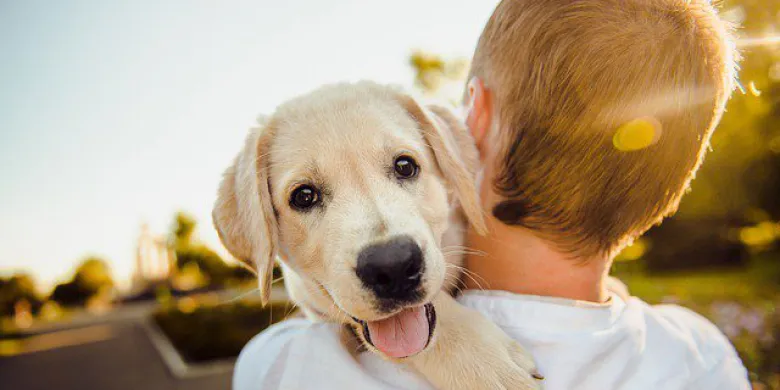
(622, 344)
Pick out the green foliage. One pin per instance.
(440, 77)
(742, 173)
(15, 289)
(70, 294)
(208, 261)
(92, 277)
(216, 331)
(94, 274)
(183, 229)
(191, 254)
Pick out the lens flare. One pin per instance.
(763, 41)
(636, 134)
(753, 89)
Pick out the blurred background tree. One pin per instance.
(438, 77)
(740, 176)
(191, 254)
(15, 289)
(92, 279)
(183, 229)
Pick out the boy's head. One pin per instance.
(597, 112)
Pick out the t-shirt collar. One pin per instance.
(544, 313)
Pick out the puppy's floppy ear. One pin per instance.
(243, 213)
(455, 152)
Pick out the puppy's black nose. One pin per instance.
(393, 269)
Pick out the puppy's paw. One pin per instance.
(471, 352)
(529, 377)
(505, 364)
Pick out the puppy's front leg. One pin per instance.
(470, 352)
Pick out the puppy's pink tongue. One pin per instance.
(401, 335)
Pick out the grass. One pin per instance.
(760, 281)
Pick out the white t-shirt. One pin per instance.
(623, 344)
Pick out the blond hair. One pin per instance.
(565, 76)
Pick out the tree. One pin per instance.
(15, 289)
(92, 277)
(183, 229)
(190, 252)
(93, 274)
(208, 261)
(436, 76)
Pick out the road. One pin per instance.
(112, 351)
(113, 356)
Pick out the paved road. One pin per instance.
(124, 359)
(105, 352)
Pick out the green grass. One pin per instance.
(760, 281)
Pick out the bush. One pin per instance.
(691, 244)
(202, 332)
(18, 288)
(91, 279)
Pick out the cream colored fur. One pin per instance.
(344, 139)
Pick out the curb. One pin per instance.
(175, 362)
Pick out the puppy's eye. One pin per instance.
(304, 197)
(406, 167)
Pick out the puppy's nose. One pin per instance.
(393, 269)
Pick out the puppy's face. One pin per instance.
(361, 203)
(352, 186)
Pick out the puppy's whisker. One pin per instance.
(464, 252)
(461, 253)
(464, 248)
(471, 275)
(239, 297)
(451, 285)
(289, 311)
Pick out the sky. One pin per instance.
(119, 113)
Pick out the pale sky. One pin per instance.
(115, 113)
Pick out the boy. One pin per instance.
(591, 118)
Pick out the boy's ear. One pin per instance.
(243, 213)
(455, 154)
(479, 113)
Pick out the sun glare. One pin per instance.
(763, 41)
(637, 134)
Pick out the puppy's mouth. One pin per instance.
(403, 334)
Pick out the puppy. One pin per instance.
(363, 195)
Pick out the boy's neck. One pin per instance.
(515, 260)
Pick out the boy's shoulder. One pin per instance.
(695, 328)
(696, 333)
(701, 348)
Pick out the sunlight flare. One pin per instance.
(763, 41)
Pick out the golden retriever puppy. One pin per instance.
(362, 195)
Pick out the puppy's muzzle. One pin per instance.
(393, 270)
